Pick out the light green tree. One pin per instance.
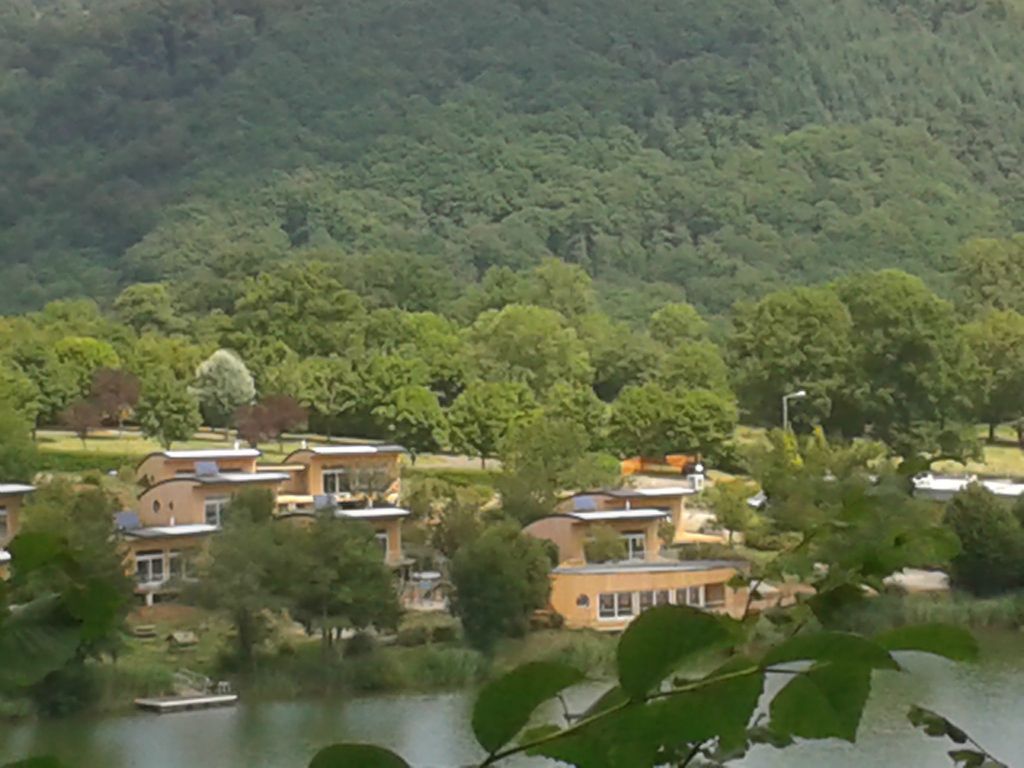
(675, 323)
(222, 384)
(413, 417)
(996, 340)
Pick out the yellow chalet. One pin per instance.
(184, 502)
(12, 496)
(350, 475)
(608, 595)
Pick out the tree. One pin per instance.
(284, 414)
(115, 392)
(542, 457)
(482, 415)
(578, 405)
(527, 344)
(605, 545)
(895, 317)
(991, 542)
(990, 273)
(252, 423)
(649, 420)
(997, 342)
(18, 455)
(694, 365)
(329, 388)
(798, 338)
(77, 358)
(167, 410)
(728, 500)
(500, 579)
(676, 323)
(335, 578)
(235, 571)
(222, 384)
(414, 418)
(19, 392)
(80, 417)
(146, 307)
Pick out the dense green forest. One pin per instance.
(698, 151)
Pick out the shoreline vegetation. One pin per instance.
(293, 667)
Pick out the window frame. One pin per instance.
(717, 603)
(150, 558)
(336, 474)
(218, 504)
(636, 545)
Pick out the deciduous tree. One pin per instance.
(482, 415)
(167, 410)
(222, 384)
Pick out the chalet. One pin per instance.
(608, 595)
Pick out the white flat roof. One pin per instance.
(214, 453)
(675, 490)
(11, 489)
(159, 531)
(618, 514)
(243, 477)
(957, 484)
(349, 450)
(373, 512)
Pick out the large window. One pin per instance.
(646, 600)
(636, 545)
(606, 606)
(714, 595)
(214, 508)
(149, 567)
(615, 605)
(337, 481)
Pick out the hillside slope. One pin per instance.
(717, 149)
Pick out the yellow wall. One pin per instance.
(570, 535)
(566, 588)
(317, 463)
(184, 500)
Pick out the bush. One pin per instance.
(68, 690)
(605, 545)
(444, 633)
(59, 461)
(413, 636)
(991, 541)
(360, 644)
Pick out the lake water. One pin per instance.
(986, 698)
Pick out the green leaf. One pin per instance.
(968, 758)
(505, 705)
(32, 551)
(41, 637)
(825, 702)
(935, 724)
(613, 697)
(356, 756)
(830, 646)
(832, 603)
(97, 607)
(660, 639)
(939, 639)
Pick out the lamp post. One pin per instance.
(800, 394)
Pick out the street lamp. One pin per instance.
(800, 394)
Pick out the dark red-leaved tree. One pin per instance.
(80, 417)
(252, 423)
(284, 414)
(115, 393)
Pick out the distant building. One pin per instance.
(607, 596)
(668, 499)
(944, 488)
(12, 497)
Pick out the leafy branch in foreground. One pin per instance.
(668, 709)
(968, 754)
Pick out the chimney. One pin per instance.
(237, 445)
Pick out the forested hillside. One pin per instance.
(695, 150)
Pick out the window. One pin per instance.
(636, 545)
(382, 542)
(3, 524)
(336, 481)
(646, 600)
(695, 596)
(714, 594)
(661, 597)
(606, 606)
(149, 567)
(623, 604)
(582, 601)
(156, 506)
(214, 508)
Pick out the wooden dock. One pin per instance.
(169, 704)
